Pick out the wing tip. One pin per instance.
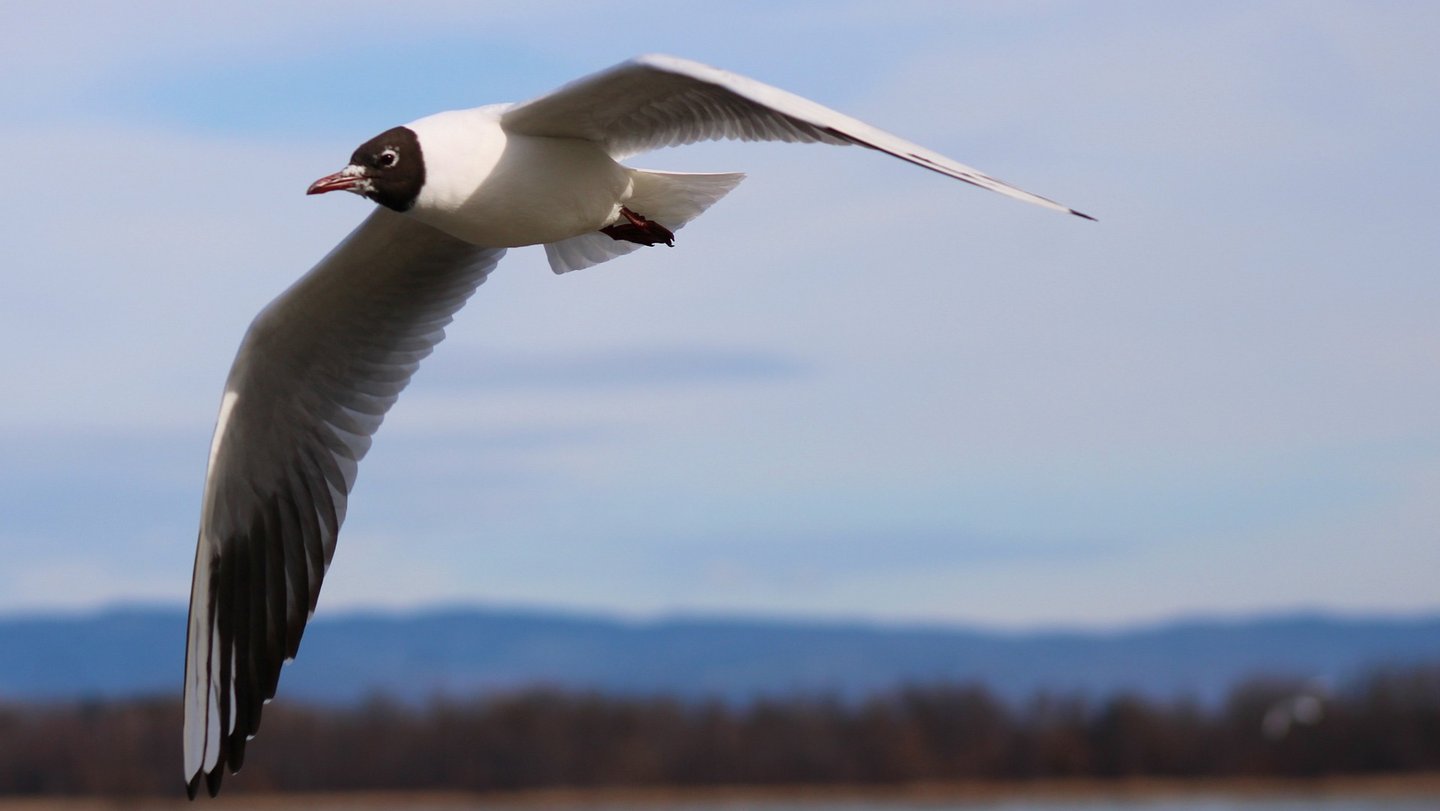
(1082, 214)
(212, 780)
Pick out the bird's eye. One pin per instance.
(388, 158)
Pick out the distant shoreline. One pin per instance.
(489, 651)
(1424, 785)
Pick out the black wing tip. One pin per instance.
(1082, 214)
(237, 752)
(212, 781)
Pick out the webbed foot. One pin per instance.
(638, 229)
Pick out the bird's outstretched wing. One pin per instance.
(315, 374)
(656, 101)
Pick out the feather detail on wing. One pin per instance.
(657, 101)
(313, 379)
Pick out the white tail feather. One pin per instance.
(671, 199)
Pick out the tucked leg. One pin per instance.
(638, 229)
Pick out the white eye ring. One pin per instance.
(389, 158)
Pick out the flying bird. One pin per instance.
(321, 365)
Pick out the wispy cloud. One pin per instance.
(633, 368)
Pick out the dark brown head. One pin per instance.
(389, 169)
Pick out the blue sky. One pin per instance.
(853, 389)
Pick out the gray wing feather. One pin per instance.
(316, 373)
(657, 101)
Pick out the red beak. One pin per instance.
(343, 180)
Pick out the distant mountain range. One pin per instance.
(345, 658)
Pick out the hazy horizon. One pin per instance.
(558, 610)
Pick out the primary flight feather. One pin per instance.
(321, 364)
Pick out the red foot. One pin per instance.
(639, 230)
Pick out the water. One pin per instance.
(1378, 802)
(1092, 804)
(1089, 804)
(1215, 803)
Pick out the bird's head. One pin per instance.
(389, 169)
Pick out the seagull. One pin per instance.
(321, 364)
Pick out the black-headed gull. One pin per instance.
(324, 361)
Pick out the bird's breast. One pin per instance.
(504, 191)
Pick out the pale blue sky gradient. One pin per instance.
(853, 389)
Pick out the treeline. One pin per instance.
(1386, 722)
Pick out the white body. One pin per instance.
(502, 190)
